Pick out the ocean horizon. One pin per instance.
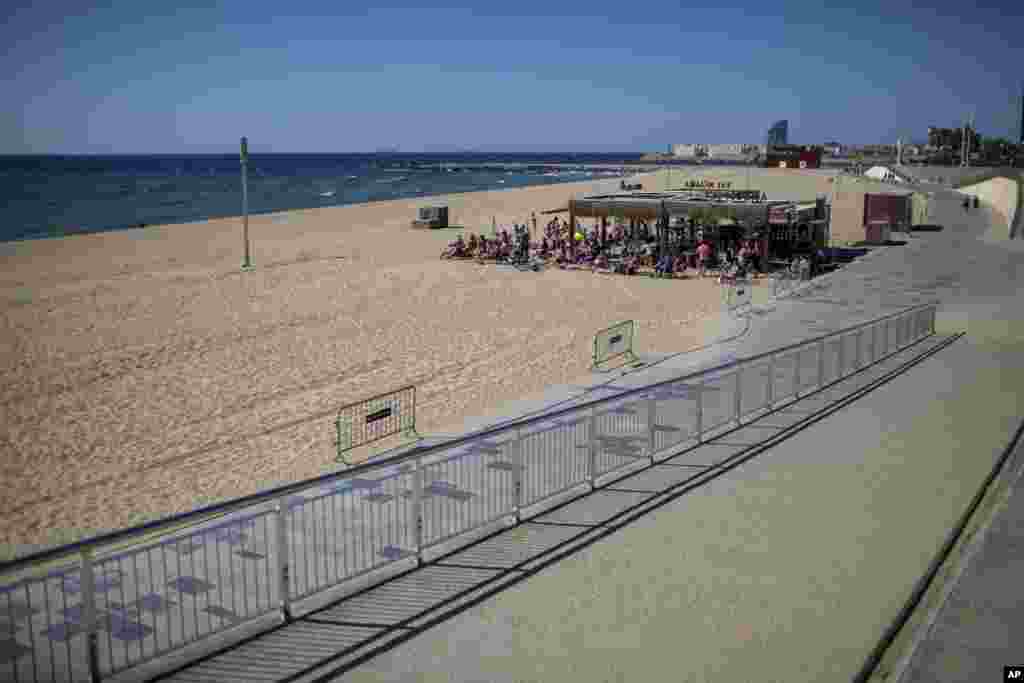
(51, 196)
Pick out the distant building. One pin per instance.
(792, 156)
(728, 149)
(689, 151)
(950, 139)
(723, 150)
(873, 150)
(778, 134)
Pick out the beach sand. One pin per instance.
(144, 374)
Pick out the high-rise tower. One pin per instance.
(778, 134)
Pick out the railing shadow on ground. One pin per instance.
(89, 609)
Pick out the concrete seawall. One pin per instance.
(1002, 196)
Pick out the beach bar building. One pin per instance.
(721, 217)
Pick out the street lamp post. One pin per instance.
(245, 202)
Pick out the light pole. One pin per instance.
(245, 202)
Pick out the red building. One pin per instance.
(793, 156)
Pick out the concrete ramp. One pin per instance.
(1001, 195)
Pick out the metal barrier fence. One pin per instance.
(738, 291)
(614, 342)
(372, 419)
(106, 611)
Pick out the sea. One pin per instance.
(54, 196)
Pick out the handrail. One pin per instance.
(270, 496)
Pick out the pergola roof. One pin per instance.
(651, 205)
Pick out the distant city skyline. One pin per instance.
(592, 77)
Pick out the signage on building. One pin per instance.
(708, 185)
(779, 215)
(729, 194)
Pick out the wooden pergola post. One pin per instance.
(572, 229)
(663, 230)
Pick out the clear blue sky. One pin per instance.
(342, 76)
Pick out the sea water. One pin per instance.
(53, 196)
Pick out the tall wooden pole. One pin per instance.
(245, 201)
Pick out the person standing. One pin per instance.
(703, 257)
(743, 255)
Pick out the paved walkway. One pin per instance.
(980, 628)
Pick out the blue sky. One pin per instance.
(342, 76)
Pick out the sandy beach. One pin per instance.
(144, 374)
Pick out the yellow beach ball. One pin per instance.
(579, 237)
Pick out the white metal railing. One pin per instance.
(94, 608)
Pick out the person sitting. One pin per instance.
(457, 248)
(679, 265)
(727, 274)
(471, 245)
(753, 258)
(600, 261)
(801, 267)
(664, 266)
(794, 267)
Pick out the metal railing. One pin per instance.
(109, 609)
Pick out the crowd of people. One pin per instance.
(501, 247)
(621, 252)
